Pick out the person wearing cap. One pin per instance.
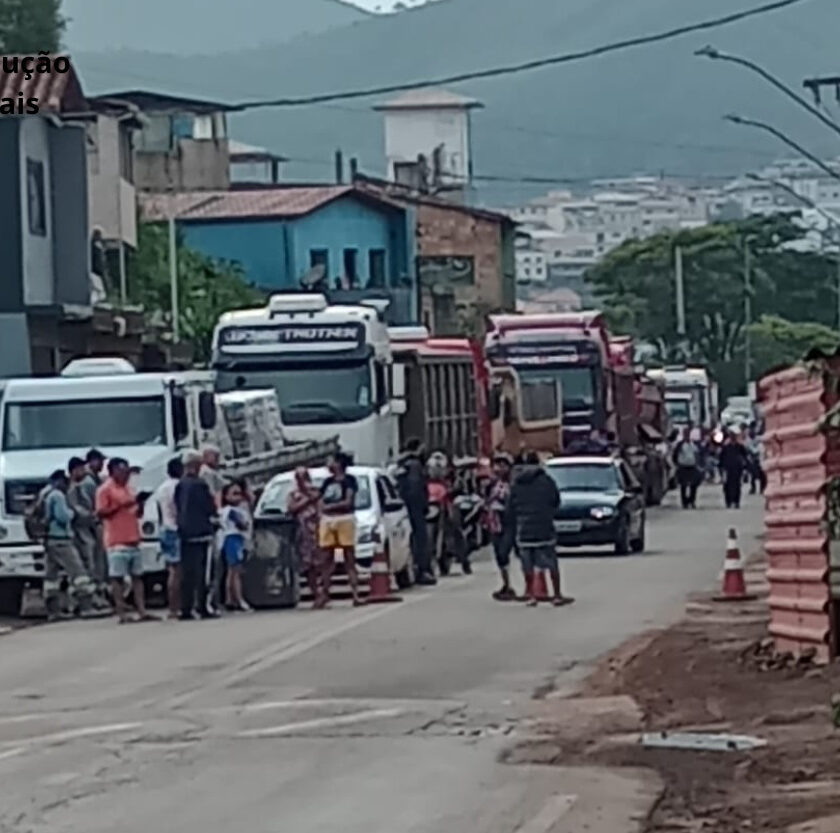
(501, 534)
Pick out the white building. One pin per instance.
(427, 139)
(254, 165)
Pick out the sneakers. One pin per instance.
(245, 607)
(426, 580)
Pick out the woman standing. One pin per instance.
(304, 503)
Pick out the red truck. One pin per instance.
(562, 375)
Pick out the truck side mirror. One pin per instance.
(180, 418)
(508, 417)
(397, 381)
(207, 410)
(494, 403)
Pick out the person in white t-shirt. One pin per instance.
(234, 528)
(164, 501)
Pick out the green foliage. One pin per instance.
(30, 26)
(207, 287)
(777, 343)
(635, 286)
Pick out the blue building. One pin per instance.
(278, 235)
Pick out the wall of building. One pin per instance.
(37, 257)
(344, 224)
(69, 215)
(112, 200)
(196, 165)
(412, 132)
(257, 245)
(11, 287)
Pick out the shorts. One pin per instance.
(233, 550)
(124, 562)
(337, 532)
(170, 547)
(537, 557)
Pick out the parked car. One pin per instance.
(381, 517)
(601, 503)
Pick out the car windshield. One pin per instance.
(585, 477)
(275, 499)
(84, 424)
(308, 394)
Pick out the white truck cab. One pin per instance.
(694, 386)
(330, 365)
(146, 418)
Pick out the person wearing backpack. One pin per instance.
(687, 460)
(56, 518)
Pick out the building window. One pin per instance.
(35, 197)
(351, 272)
(376, 268)
(320, 257)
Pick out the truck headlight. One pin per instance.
(601, 513)
(368, 535)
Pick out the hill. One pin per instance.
(178, 25)
(654, 108)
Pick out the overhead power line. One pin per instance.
(511, 69)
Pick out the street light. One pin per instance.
(717, 55)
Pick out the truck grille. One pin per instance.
(20, 494)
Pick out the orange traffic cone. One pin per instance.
(380, 580)
(734, 584)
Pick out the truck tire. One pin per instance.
(11, 594)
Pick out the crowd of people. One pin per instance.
(89, 518)
(729, 455)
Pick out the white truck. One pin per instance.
(331, 366)
(691, 395)
(147, 418)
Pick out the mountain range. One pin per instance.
(654, 108)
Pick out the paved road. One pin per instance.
(359, 721)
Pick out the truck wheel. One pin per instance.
(11, 594)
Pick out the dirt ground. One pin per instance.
(713, 672)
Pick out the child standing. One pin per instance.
(233, 529)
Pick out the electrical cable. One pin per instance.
(511, 69)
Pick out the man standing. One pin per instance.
(687, 461)
(197, 521)
(118, 507)
(94, 465)
(170, 550)
(533, 502)
(61, 554)
(413, 482)
(338, 517)
(733, 463)
(211, 458)
(501, 534)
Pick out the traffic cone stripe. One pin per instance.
(734, 584)
(380, 580)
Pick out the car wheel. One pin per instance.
(638, 545)
(622, 539)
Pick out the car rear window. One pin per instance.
(585, 477)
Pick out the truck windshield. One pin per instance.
(576, 384)
(309, 394)
(679, 410)
(84, 424)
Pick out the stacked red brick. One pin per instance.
(800, 459)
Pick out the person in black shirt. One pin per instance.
(338, 517)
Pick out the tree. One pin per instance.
(779, 343)
(30, 26)
(635, 285)
(206, 287)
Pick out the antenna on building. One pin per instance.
(339, 167)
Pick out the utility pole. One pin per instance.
(680, 289)
(747, 312)
(173, 271)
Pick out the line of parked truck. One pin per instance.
(338, 375)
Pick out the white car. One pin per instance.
(381, 517)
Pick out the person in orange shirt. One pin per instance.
(118, 507)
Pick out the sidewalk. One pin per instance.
(713, 672)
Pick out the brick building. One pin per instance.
(465, 260)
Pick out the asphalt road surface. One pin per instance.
(377, 720)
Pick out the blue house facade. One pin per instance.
(278, 235)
